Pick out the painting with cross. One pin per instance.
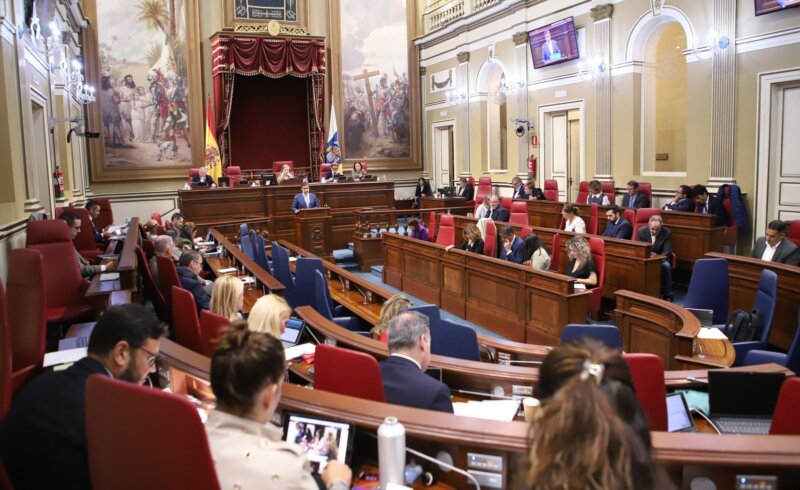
(375, 80)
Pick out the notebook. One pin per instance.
(742, 402)
(679, 418)
(706, 317)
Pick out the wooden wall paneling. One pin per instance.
(693, 235)
(392, 274)
(454, 282)
(546, 214)
(422, 273)
(496, 296)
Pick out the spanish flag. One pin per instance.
(213, 161)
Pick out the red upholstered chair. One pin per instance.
(148, 248)
(490, 242)
(555, 253)
(484, 189)
(593, 219)
(5, 365)
(347, 372)
(794, 232)
(64, 286)
(785, 420)
(630, 215)
(506, 202)
(432, 225)
(647, 189)
(192, 173)
(731, 234)
(84, 240)
(168, 277)
(583, 192)
(526, 230)
(277, 165)
(519, 213)
(642, 218)
(151, 289)
(185, 321)
(234, 174)
(212, 326)
(157, 218)
(324, 169)
(27, 325)
(106, 216)
(647, 372)
(550, 190)
(598, 249)
(609, 190)
(161, 443)
(447, 231)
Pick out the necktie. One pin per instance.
(308, 203)
(630, 204)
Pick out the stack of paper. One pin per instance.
(504, 410)
(63, 356)
(299, 350)
(711, 333)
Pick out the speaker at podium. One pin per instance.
(312, 228)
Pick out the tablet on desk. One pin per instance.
(322, 439)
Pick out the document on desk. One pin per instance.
(711, 333)
(503, 410)
(299, 350)
(64, 356)
(109, 276)
(229, 270)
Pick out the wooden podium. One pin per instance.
(312, 228)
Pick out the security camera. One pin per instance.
(522, 125)
(79, 129)
(520, 130)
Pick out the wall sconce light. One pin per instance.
(593, 70)
(716, 44)
(47, 46)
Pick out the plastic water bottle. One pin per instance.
(391, 452)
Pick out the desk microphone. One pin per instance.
(481, 393)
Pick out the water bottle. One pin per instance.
(391, 452)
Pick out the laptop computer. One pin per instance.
(706, 317)
(742, 402)
(679, 417)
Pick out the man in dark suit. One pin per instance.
(635, 199)
(189, 267)
(661, 239)
(403, 373)
(617, 227)
(335, 173)
(708, 204)
(465, 190)
(682, 201)
(43, 438)
(304, 200)
(519, 189)
(513, 247)
(774, 247)
(100, 236)
(496, 211)
(202, 178)
(88, 270)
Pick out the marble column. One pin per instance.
(462, 87)
(602, 84)
(723, 95)
(521, 67)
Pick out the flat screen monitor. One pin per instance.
(554, 43)
(320, 438)
(769, 6)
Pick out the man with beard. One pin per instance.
(43, 438)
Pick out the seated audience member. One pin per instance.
(189, 267)
(465, 190)
(163, 247)
(100, 236)
(473, 241)
(534, 193)
(484, 210)
(581, 266)
(596, 195)
(417, 230)
(284, 175)
(269, 315)
(423, 189)
(389, 310)
(774, 247)
(635, 199)
(572, 222)
(43, 437)
(358, 172)
(537, 256)
(177, 223)
(591, 431)
(617, 227)
(661, 238)
(88, 269)
(708, 204)
(247, 371)
(513, 247)
(496, 211)
(335, 173)
(150, 228)
(519, 189)
(187, 238)
(202, 178)
(682, 200)
(227, 297)
(304, 200)
(403, 373)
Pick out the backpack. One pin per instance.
(743, 326)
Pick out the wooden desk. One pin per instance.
(104, 294)
(441, 202)
(210, 206)
(546, 214)
(653, 325)
(685, 455)
(518, 302)
(693, 236)
(744, 274)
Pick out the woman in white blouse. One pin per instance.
(572, 222)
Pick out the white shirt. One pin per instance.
(605, 201)
(576, 225)
(769, 252)
(408, 358)
(308, 200)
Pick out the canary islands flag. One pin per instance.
(333, 153)
(213, 161)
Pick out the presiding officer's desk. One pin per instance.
(207, 207)
(685, 455)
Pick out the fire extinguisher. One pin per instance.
(58, 182)
(532, 167)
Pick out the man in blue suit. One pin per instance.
(513, 246)
(682, 200)
(496, 211)
(708, 204)
(190, 265)
(618, 227)
(304, 200)
(403, 373)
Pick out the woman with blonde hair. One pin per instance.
(269, 315)
(227, 297)
(591, 431)
(473, 240)
(389, 310)
(580, 265)
(286, 174)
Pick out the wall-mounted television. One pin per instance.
(554, 43)
(769, 6)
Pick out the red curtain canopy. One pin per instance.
(273, 57)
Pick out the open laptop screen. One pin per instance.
(743, 393)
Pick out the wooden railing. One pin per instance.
(369, 219)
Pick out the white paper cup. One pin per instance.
(531, 406)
